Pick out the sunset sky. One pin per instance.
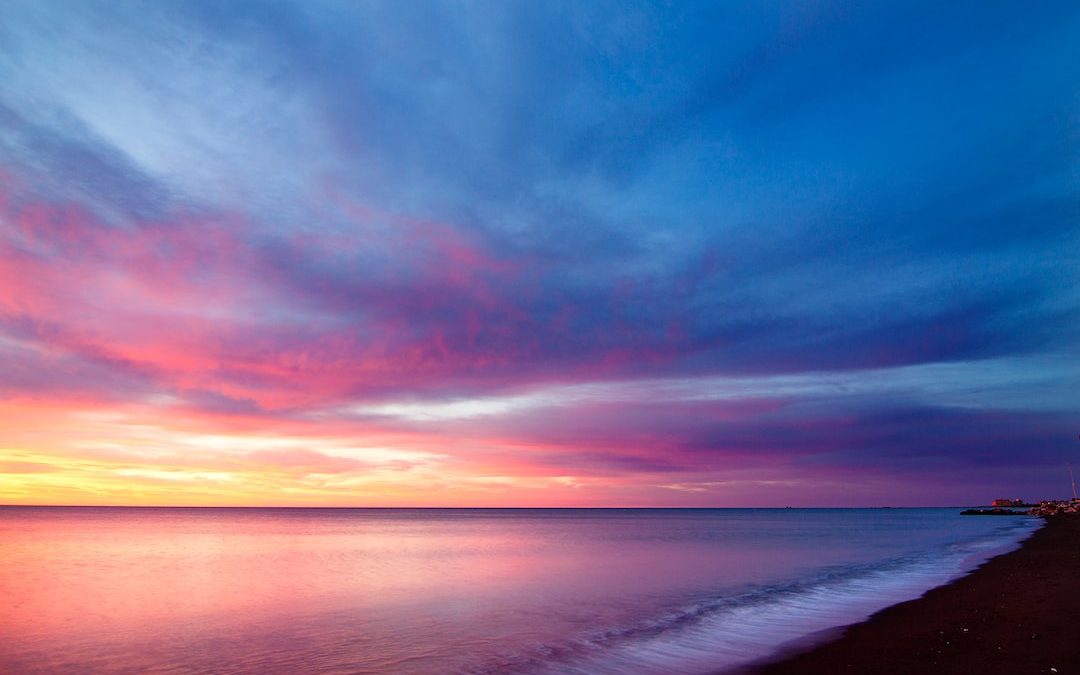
(518, 253)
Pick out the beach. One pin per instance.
(1016, 613)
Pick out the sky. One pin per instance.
(514, 253)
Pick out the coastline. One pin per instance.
(1017, 612)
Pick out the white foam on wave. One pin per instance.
(726, 633)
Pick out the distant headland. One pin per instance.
(1007, 507)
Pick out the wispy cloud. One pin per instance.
(508, 250)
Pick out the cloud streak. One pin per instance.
(505, 253)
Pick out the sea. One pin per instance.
(471, 591)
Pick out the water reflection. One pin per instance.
(249, 590)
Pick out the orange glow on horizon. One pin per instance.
(97, 455)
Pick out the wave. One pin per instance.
(722, 632)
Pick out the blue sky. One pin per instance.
(504, 240)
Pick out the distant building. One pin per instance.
(1007, 502)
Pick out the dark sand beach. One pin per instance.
(1017, 613)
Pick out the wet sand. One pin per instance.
(1017, 613)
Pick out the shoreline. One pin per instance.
(1017, 612)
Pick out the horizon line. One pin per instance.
(469, 508)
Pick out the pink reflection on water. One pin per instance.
(118, 584)
(253, 590)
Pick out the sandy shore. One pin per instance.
(1017, 613)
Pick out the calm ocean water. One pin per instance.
(457, 591)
